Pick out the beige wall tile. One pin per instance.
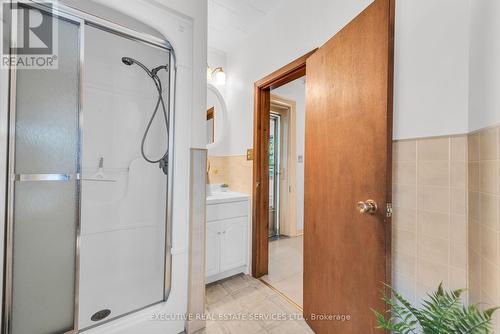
(458, 174)
(489, 210)
(459, 148)
(458, 278)
(235, 170)
(404, 173)
(433, 224)
(404, 263)
(430, 274)
(434, 148)
(434, 173)
(474, 236)
(405, 284)
(489, 244)
(489, 281)
(433, 249)
(474, 272)
(404, 241)
(458, 202)
(473, 147)
(458, 230)
(458, 256)
(474, 208)
(473, 176)
(404, 150)
(405, 219)
(405, 196)
(488, 174)
(488, 144)
(434, 199)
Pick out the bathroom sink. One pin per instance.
(225, 196)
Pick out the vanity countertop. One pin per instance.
(226, 197)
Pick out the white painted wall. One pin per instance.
(296, 91)
(484, 64)
(431, 68)
(217, 59)
(431, 62)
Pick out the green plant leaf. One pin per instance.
(441, 312)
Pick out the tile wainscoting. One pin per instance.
(430, 215)
(484, 219)
(234, 170)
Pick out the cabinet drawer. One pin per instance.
(227, 210)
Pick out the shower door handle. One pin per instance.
(45, 177)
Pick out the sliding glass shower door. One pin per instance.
(42, 230)
(87, 231)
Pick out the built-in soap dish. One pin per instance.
(99, 176)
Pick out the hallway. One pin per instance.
(286, 267)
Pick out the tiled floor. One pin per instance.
(243, 296)
(286, 267)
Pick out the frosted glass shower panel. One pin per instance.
(122, 249)
(44, 227)
(47, 111)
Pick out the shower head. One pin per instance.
(128, 61)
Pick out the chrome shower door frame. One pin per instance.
(81, 19)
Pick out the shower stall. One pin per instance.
(88, 233)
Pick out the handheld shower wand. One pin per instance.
(153, 74)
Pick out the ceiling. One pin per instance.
(230, 21)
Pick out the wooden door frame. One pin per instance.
(260, 198)
(288, 193)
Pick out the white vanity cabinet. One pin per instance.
(227, 234)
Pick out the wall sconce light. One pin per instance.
(216, 74)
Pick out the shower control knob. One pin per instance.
(368, 206)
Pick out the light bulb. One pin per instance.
(220, 77)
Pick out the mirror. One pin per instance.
(216, 116)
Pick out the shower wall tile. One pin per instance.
(430, 214)
(484, 218)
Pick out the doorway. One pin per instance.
(347, 238)
(286, 188)
(275, 143)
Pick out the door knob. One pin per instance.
(367, 207)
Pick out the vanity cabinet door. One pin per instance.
(212, 266)
(234, 243)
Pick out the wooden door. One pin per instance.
(347, 160)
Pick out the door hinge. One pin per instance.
(388, 210)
